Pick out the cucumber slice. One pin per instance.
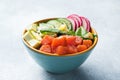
(61, 20)
(42, 25)
(55, 23)
(65, 21)
(49, 30)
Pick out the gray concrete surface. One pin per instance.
(15, 15)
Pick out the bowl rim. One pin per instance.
(49, 54)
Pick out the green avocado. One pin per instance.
(55, 23)
(65, 21)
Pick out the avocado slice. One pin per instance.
(65, 21)
(55, 23)
(45, 25)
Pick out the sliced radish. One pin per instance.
(85, 23)
(78, 18)
(75, 19)
(73, 23)
(89, 26)
(78, 21)
(81, 21)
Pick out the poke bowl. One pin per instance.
(60, 45)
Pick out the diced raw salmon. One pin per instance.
(47, 40)
(81, 48)
(61, 50)
(88, 43)
(46, 48)
(59, 41)
(71, 49)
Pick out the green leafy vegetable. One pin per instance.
(70, 33)
(80, 32)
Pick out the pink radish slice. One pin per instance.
(78, 18)
(85, 23)
(89, 26)
(78, 21)
(81, 21)
(73, 23)
(75, 19)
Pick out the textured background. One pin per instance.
(15, 15)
